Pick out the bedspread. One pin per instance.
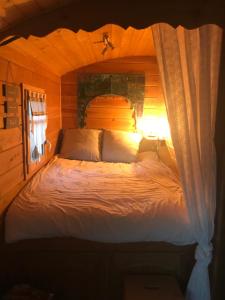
(100, 201)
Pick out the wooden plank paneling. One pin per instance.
(53, 111)
(10, 179)
(10, 138)
(110, 117)
(11, 61)
(6, 199)
(69, 89)
(115, 66)
(154, 111)
(110, 102)
(68, 113)
(116, 124)
(18, 68)
(153, 91)
(153, 102)
(54, 41)
(102, 113)
(52, 149)
(11, 158)
(69, 122)
(70, 77)
(54, 124)
(153, 80)
(56, 61)
(68, 101)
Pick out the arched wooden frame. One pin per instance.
(131, 86)
(111, 112)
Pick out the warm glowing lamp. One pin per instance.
(154, 127)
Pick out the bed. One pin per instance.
(79, 227)
(100, 209)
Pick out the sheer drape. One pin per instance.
(189, 66)
(38, 125)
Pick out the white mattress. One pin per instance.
(107, 202)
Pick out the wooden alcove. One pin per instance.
(89, 16)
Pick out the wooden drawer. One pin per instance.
(151, 287)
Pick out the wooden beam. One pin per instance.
(90, 15)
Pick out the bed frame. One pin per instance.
(79, 269)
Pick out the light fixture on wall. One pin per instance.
(106, 41)
(154, 127)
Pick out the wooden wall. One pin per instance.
(153, 99)
(16, 68)
(110, 112)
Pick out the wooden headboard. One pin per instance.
(110, 112)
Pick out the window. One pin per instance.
(36, 124)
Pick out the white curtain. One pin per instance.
(38, 125)
(189, 66)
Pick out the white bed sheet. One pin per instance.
(99, 201)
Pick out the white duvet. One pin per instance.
(107, 202)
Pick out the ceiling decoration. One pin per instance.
(106, 42)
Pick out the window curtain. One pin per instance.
(189, 67)
(38, 124)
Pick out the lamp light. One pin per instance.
(154, 127)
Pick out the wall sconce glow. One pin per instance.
(154, 126)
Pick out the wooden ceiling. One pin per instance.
(64, 50)
(53, 31)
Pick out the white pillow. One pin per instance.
(120, 146)
(81, 144)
